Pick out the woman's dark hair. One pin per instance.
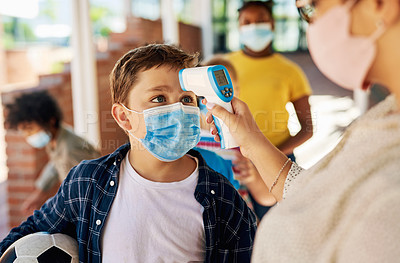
(262, 4)
(37, 107)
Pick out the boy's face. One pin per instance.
(154, 87)
(254, 15)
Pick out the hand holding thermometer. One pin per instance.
(213, 83)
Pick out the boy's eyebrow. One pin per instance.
(158, 88)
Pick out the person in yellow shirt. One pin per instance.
(268, 81)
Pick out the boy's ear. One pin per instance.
(388, 11)
(120, 116)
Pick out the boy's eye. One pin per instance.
(159, 99)
(187, 99)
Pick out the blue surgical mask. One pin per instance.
(39, 139)
(171, 130)
(256, 37)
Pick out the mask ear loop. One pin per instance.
(381, 28)
(126, 108)
(139, 140)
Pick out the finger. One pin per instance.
(213, 130)
(218, 111)
(209, 117)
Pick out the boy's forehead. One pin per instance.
(158, 74)
(158, 70)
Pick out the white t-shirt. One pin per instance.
(154, 222)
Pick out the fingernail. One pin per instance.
(210, 105)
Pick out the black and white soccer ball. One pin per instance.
(42, 248)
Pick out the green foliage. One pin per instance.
(15, 31)
(8, 41)
(97, 13)
(105, 31)
(98, 16)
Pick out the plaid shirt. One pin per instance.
(84, 200)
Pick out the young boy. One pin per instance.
(153, 200)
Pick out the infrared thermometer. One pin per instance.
(213, 83)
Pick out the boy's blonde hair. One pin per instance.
(125, 72)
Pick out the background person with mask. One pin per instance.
(39, 118)
(268, 81)
(347, 207)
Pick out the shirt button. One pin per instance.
(112, 183)
(98, 222)
(115, 163)
(212, 192)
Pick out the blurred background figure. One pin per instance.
(268, 81)
(38, 117)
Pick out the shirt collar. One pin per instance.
(207, 184)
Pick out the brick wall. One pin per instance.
(141, 31)
(25, 162)
(18, 67)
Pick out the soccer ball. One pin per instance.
(42, 248)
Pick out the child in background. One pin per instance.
(245, 176)
(154, 199)
(38, 117)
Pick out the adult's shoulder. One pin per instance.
(72, 142)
